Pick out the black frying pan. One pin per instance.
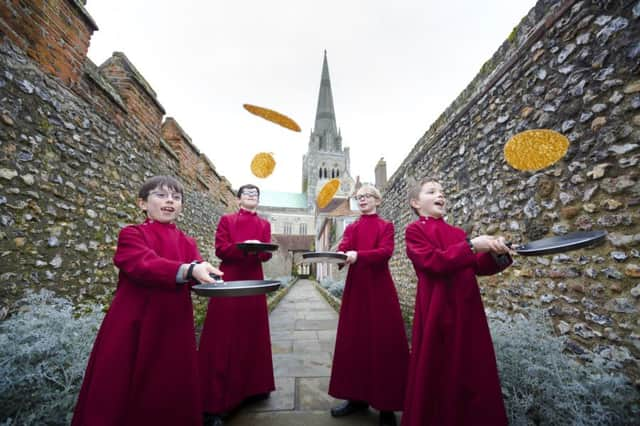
(324, 257)
(257, 246)
(236, 288)
(560, 244)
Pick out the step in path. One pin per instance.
(303, 332)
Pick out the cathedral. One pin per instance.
(297, 224)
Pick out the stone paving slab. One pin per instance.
(302, 364)
(313, 396)
(281, 346)
(304, 418)
(307, 346)
(307, 324)
(282, 399)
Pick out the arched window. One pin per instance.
(338, 173)
(320, 172)
(333, 173)
(324, 171)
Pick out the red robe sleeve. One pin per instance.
(383, 252)
(136, 259)
(226, 248)
(425, 255)
(489, 264)
(265, 238)
(346, 243)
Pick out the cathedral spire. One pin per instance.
(325, 114)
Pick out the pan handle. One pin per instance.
(215, 277)
(513, 246)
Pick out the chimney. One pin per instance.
(381, 173)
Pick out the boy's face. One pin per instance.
(249, 199)
(367, 202)
(162, 205)
(430, 201)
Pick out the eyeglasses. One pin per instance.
(175, 196)
(250, 193)
(362, 197)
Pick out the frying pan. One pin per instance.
(559, 244)
(324, 257)
(235, 288)
(257, 246)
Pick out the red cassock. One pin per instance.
(453, 377)
(143, 367)
(235, 347)
(371, 353)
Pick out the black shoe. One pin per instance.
(213, 420)
(387, 418)
(257, 398)
(348, 407)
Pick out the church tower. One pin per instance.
(325, 158)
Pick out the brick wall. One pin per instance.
(54, 33)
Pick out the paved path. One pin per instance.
(303, 331)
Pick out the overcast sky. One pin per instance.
(394, 67)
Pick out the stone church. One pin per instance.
(297, 224)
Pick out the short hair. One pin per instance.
(367, 188)
(159, 182)
(414, 191)
(247, 186)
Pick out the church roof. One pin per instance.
(292, 200)
(325, 113)
(339, 207)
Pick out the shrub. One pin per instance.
(325, 282)
(542, 385)
(43, 355)
(335, 287)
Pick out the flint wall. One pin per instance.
(574, 67)
(76, 142)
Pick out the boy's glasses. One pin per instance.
(362, 197)
(250, 193)
(175, 196)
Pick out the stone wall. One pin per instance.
(76, 143)
(574, 67)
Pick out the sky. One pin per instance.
(394, 68)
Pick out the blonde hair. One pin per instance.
(414, 191)
(370, 189)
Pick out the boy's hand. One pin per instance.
(352, 257)
(487, 243)
(202, 270)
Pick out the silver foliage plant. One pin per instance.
(542, 385)
(44, 350)
(45, 346)
(335, 287)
